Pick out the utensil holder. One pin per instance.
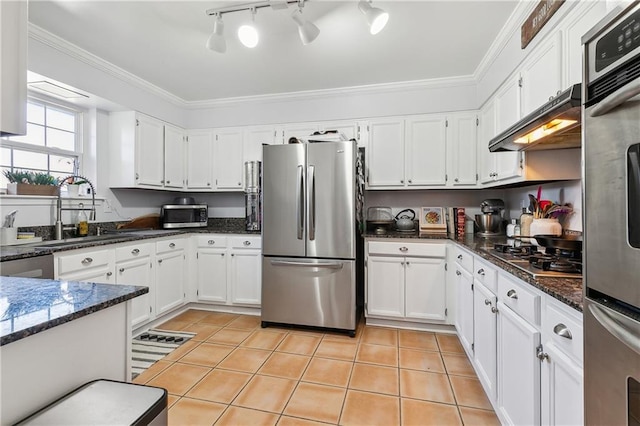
(549, 226)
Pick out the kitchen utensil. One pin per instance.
(573, 242)
(404, 222)
(147, 221)
(9, 219)
(489, 224)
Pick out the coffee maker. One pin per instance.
(490, 222)
(252, 194)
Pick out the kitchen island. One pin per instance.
(58, 335)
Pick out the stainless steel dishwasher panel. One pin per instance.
(31, 267)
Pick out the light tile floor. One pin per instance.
(235, 373)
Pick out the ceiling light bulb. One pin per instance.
(216, 41)
(248, 35)
(376, 18)
(307, 30)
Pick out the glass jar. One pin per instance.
(525, 226)
(547, 226)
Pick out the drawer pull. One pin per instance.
(481, 272)
(487, 302)
(408, 263)
(87, 260)
(512, 294)
(211, 242)
(121, 270)
(159, 260)
(109, 274)
(403, 249)
(135, 251)
(458, 273)
(459, 257)
(172, 245)
(247, 243)
(562, 331)
(494, 309)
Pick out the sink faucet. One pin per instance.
(92, 216)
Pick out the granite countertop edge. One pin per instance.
(565, 290)
(11, 287)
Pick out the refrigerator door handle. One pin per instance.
(624, 329)
(330, 265)
(300, 202)
(312, 202)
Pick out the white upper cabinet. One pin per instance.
(200, 159)
(298, 130)
(174, 157)
(426, 150)
(386, 152)
(494, 166)
(13, 67)
(149, 151)
(507, 104)
(254, 138)
(463, 140)
(541, 75)
(348, 128)
(228, 159)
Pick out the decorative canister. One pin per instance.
(549, 226)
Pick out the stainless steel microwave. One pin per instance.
(184, 216)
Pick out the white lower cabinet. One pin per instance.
(86, 265)
(463, 267)
(170, 274)
(406, 281)
(134, 267)
(228, 269)
(485, 337)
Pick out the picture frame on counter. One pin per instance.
(432, 219)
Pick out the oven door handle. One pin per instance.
(623, 328)
(617, 98)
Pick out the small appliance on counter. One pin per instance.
(379, 219)
(252, 195)
(184, 213)
(405, 220)
(490, 222)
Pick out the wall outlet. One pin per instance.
(106, 206)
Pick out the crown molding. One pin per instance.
(49, 39)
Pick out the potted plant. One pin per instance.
(22, 182)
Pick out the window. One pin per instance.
(53, 143)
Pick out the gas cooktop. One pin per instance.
(539, 262)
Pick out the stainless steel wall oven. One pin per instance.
(611, 200)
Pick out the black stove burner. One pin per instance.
(551, 262)
(523, 250)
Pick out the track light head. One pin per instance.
(216, 41)
(307, 30)
(248, 34)
(376, 18)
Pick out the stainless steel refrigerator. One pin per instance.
(309, 234)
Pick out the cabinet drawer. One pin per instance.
(78, 262)
(133, 251)
(246, 242)
(463, 258)
(170, 245)
(563, 329)
(407, 249)
(486, 274)
(523, 301)
(211, 241)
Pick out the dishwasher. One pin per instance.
(31, 267)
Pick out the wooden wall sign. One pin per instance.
(534, 23)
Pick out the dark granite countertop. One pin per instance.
(30, 305)
(566, 290)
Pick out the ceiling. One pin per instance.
(163, 42)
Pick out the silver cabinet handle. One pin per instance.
(168, 182)
(159, 260)
(402, 181)
(481, 272)
(563, 331)
(121, 270)
(494, 309)
(172, 245)
(459, 257)
(222, 254)
(211, 242)
(247, 243)
(458, 273)
(487, 302)
(135, 251)
(109, 274)
(232, 254)
(408, 263)
(409, 181)
(239, 183)
(541, 354)
(456, 180)
(512, 294)
(403, 249)
(402, 263)
(87, 260)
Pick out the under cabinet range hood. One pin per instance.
(555, 125)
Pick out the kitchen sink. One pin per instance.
(76, 241)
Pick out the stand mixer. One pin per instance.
(490, 222)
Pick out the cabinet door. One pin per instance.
(562, 396)
(102, 275)
(425, 288)
(385, 286)
(508, 164)
(464, 308)
(246, 277)
(149, 151)
(228, 159)
(211, 274)
(541, 75)
(254, 138)
(386, 153)
(518, 369)
(463, 129)
(200, 160)
(137, 272)
(348, 128)
(484, 337)
(426, 150)
(174, 155)
(507, 103)
(170, 277)
(301, 130)
(486, 132)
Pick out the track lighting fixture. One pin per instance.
(248, 34)
(376, 18)
(216, 41)
(307, 31)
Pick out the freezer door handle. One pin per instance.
(300, 201)
(617, 98)
(330, 265)
(312, 202)
(623, 328)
